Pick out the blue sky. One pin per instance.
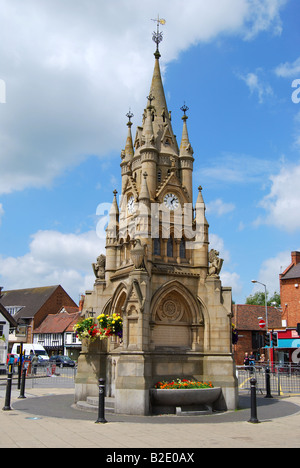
(71, 71)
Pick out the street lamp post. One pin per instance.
(266, 305)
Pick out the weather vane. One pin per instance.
(157, 35)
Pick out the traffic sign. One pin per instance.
(262, 324)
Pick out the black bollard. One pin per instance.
(268, 383)
(22, 392)
(253, 418)
(8, 391)
(101, 407)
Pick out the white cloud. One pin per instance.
(270, 271)
(228, 278)
(232, 280)
(257, 85)
(54, 258)
(282, 204)
(217, 243)
(219, 207)
(238, 169)
(288, 69)
(265, 14)
(73, 68)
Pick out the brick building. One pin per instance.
(289, 339)
(246, 320)
(29, 307)
(54, 331)
(290, 292)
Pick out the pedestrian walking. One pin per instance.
(34, 363)
(11, 363)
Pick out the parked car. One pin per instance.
(62, 361)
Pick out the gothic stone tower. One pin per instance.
(158, 274)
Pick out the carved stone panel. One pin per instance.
(172, 323)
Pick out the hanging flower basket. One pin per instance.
(110, 325)
(86, 329)
(235, 335)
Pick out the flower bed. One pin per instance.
(183, 396)
(182, 383)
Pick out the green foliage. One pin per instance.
(259, 299)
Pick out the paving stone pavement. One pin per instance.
(47, 419)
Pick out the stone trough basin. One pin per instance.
(186, 401)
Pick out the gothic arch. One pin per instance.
(175, 286)
(118, 299)
(176, 318)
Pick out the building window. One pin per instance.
(156, 247)
(182, 248)
(159, 176)
(170, 250)
(13, 309)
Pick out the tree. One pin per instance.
(259, 299)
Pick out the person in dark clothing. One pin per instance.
(246, 361)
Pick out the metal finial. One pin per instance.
(151, 98)
(129, 115)
(157, 35)
(184, 109)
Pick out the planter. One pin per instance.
(181, 401)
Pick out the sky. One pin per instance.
(70, 70)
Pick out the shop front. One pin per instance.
(287, 351)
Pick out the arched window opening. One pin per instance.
(170, 248)
(182, 248)
(156, 246)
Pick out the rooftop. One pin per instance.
(245, 316)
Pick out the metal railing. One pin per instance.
(284, 379)
(53, 376)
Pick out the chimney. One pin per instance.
(295, 257)
(81, 302)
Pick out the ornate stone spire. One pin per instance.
(157, 91)
(148, 132)
(185, 146)
(144, 195)
(186, 157)
(113, 224)
(129, 152)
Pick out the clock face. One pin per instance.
(171, 201)
(131, 205)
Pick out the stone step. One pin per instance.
(91, 404)
(94, 401)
